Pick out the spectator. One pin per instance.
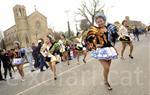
(6, 64)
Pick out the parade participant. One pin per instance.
(18, 60)
(124, 38)
(11, 54)
(112, 33)
(41, 55)
(64, 48)
(50, 49)
(6, 63)
(35, 55)
(80, 48)
(29, 57)
(103, 49)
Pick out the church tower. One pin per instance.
(22, 26)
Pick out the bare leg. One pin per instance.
(20, 70)
(131, 50)
(50, 65)
(66, 57)
(85, 54)
(123, 49)
(78, 55)
(53, 68)
(106, 66)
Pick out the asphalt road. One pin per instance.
(127, 77)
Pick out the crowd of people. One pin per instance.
(100, 40)
(47, 53)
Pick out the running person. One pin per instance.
(52, 48)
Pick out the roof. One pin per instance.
(10, 28)
(37, 12)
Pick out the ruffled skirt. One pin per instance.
(18, 61)
(104, 53)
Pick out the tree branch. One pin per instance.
(84, 14)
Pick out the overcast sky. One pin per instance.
(54, 10)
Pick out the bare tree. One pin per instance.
(84, 24)
(89, 9)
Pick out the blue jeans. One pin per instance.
(42, 62)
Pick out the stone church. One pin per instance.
(27, 29)
(133, 23)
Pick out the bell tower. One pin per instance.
(22, 26)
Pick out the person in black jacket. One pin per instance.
(41, 59)
(136, 33)
(34, 54)
(6, 64)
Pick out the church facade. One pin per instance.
(27, 29)
(134, 23)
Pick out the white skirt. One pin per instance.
(104, 53)
(17, 61)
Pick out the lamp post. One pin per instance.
(76, 24)
(68, 23)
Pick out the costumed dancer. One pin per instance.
(80, 47)
(124, 37)
(64, 48)
(103, 50)
(52, 48)
(18, 59)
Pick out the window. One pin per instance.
(19, 12)
(38, 24)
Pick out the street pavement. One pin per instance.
(127, 77)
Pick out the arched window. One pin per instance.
(20, 13)
(16, 11)
(23, 12)
(38, 25)
(37, 28)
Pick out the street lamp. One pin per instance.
(68, 23)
